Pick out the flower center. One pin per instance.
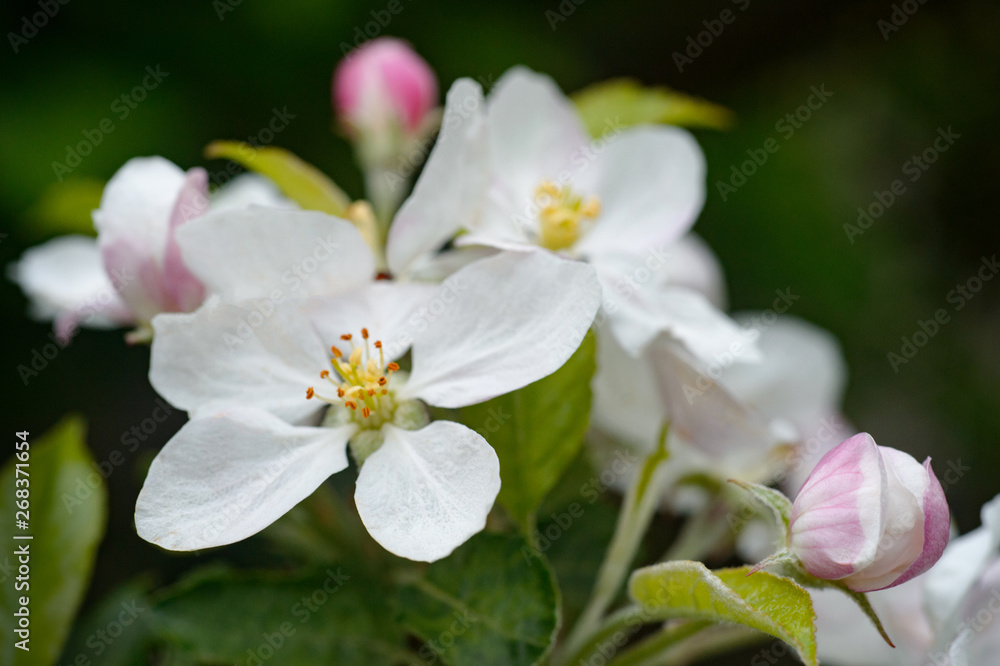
(360, 382)
(564, 215)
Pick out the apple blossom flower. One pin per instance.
(728, 418)
(133, 270)
(519, 172)
(870, 516)
(274, 414)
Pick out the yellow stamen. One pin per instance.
(564, 216)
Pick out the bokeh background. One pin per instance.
(231, 64)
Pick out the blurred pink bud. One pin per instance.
(381, 82)
(870, 516)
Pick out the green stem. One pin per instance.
(712, 641)
(627, 621)
(701, 535)
(636, 513)
(656, 644)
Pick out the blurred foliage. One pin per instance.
(624, 102)
(64, 509)
(229, 70)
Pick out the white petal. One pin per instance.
(702, 412)
(425, 492)
(694, 265)
(639, 312)
(626, 401)
(965, 558)
(903, 538)
(223, 355)
(225, 477)
(391, 311)
(255, 252)
(500, 324)
(438, 267)
(450, 188)
(651, 184)
(65, 277)
(534, 132)
(802, 373)
(137, 202)
(846, 638)
(249, 189)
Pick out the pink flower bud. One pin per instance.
(384, 82)
(870, 516)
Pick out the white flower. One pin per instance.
(728, 419)
(253, 448)
(133, 270)
(517, 171)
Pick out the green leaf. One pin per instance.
(536, 431)
(623, 102)
(299, 180)
(116, 632)
(67, 514)
(328, 617)
(764, 601)
(65, 208)
(493, 601)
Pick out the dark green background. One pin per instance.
(782, 229)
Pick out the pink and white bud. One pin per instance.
(870, 516)
(384, 85)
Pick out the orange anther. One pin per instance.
(364, 333)
(350, 405)
(378, 344)
(366, 412)
(392, 367)
(336, 352)
(310, 393)
(371, 391)
(345, 336)
(382, 381)
(324, 374)
(340, 392)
